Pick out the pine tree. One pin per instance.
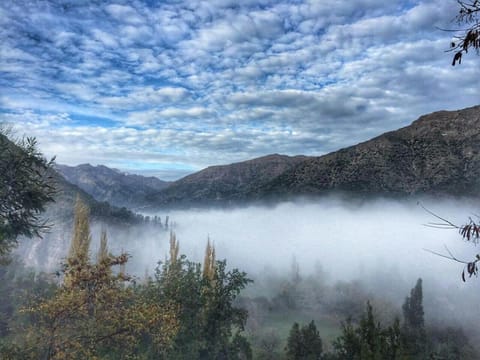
(368, 340)
(294, 343)
(26, 187)
(392, 345)
(370, 335)
(348, 345)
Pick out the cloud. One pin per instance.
(224, 81)
(124, 13)
(145, 96)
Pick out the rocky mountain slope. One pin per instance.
(111, 185)
(226, 183)
(437, 154)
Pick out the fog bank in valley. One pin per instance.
(378, 246)
(346, 240)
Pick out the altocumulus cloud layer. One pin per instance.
(170, 87)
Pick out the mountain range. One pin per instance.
(111, 185)
(438, 154)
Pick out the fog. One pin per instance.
(380, 245)
(347, 240)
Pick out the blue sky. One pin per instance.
(167, 88)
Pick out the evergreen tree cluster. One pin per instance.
(369, 340)
(304, 343)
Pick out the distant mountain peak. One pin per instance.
(112, 185)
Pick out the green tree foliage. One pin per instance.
(413, 328)
(210, 325)
(93, 314)
(25, 189)
(16, 282)
(304, 343)
(368, 340)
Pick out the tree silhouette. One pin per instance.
(25, 189)
(413, 329)
(469, 15)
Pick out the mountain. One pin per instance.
(226, 183)
(437, 154)
(46, 252)
(61, 210)
(111, 185)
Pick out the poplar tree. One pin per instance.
(82, 238)
(211, 325)
(93, 314)
(209, 262)
(413, 328)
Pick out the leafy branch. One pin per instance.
(469, 232)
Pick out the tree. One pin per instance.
(413, 328)
(469, 15)
(25, 190)
(93, 313)
(469, 232)
(304, 343)
(210, 325)
(368, 340)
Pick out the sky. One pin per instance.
(167, 88)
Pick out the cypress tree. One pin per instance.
(413, 329)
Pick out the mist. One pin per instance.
(347, 240)
(379, 244)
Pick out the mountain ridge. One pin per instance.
(226, 183)
(436, 154)
(112, 185)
